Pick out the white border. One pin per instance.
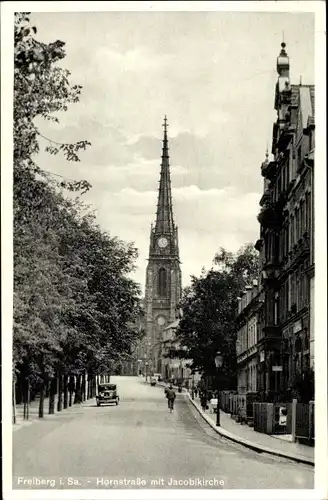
(318, 7)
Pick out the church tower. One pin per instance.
(163, 274)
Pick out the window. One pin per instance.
(162, 282)
(292, 290)
(276, 308)
(308, 212)
(298, 289)
(297, 225)
(291, 231)
(278, 186)
(302, 218)
(299, 156)
(302, 287)
(287, 168)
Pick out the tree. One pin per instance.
(209, 310)
(41, 89)
(74, 306)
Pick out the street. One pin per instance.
(141, 443)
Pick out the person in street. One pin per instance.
(170, 394)
(203, 400)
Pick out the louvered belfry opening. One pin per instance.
(162, 282)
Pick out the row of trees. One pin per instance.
(75, 308)
(209, 308)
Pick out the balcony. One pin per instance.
(270, 215)
(259, 244)
(270, 272)
(272, 332)
(268, 169)
(265, 197)
(285, 137)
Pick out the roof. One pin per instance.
(304, 96)
(164, 213)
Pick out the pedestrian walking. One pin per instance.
(170, 394)
(203, 401)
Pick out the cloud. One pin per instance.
(207, 220)
(213, 75)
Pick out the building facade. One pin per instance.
(248, 328)
(163, 274)
(175, 369)
(286, 244)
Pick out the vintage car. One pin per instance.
(153, 381)
(107, 393)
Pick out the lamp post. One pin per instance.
(218, 363)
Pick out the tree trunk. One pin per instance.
(89, 393)
(14, 402)
(41, 403)
(27, 399)
(84, 384)
(71, 389)
(60, 392)
(52, 392)
(65, 391)
(87, 386)
(78, 395)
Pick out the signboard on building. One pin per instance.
(277, 368)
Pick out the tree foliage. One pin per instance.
(75, 308)
(41, 89)
(209, 310)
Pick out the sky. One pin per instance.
(213, 74)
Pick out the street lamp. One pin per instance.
(218, 363)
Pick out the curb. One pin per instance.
(248, 444)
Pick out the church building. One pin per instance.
(163, 274)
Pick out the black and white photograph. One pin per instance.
(164, 250)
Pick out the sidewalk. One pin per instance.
(34, 412)
(245, 435)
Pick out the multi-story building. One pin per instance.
(163, 274)
(249, 307)
(174, 368)
(286, 243)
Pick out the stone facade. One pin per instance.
(163, 274)
(286, 243)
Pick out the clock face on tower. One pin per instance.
(161, 320)
(162, 242)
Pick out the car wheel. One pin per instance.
(116, 402)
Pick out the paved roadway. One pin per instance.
(140, 440)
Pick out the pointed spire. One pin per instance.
(164, 216)
(266, 161)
